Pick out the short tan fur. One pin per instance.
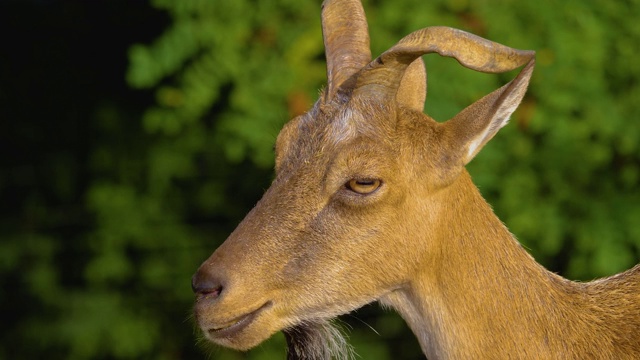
(371, 202)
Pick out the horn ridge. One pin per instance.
(472, 51)
(346, 41)
(383, 75)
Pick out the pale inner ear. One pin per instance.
(412, 91)
(479, 122)
(500, 119)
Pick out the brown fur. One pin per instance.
(424, 243)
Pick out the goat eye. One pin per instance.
(363, 186)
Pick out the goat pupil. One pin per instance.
(363, 186)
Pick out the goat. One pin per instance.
(371, 202)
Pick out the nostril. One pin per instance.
(204, 284)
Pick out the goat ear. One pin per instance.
(412, 91)
(474, 126)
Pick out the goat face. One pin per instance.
(322, 240)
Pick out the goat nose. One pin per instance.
(204, 284)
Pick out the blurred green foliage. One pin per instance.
(160, 190)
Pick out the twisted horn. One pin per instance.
(346, 41)
(381, 78)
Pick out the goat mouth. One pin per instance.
(235, 326)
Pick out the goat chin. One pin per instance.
(317, 340)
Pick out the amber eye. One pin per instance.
(363, 186)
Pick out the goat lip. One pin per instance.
(236, 325)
